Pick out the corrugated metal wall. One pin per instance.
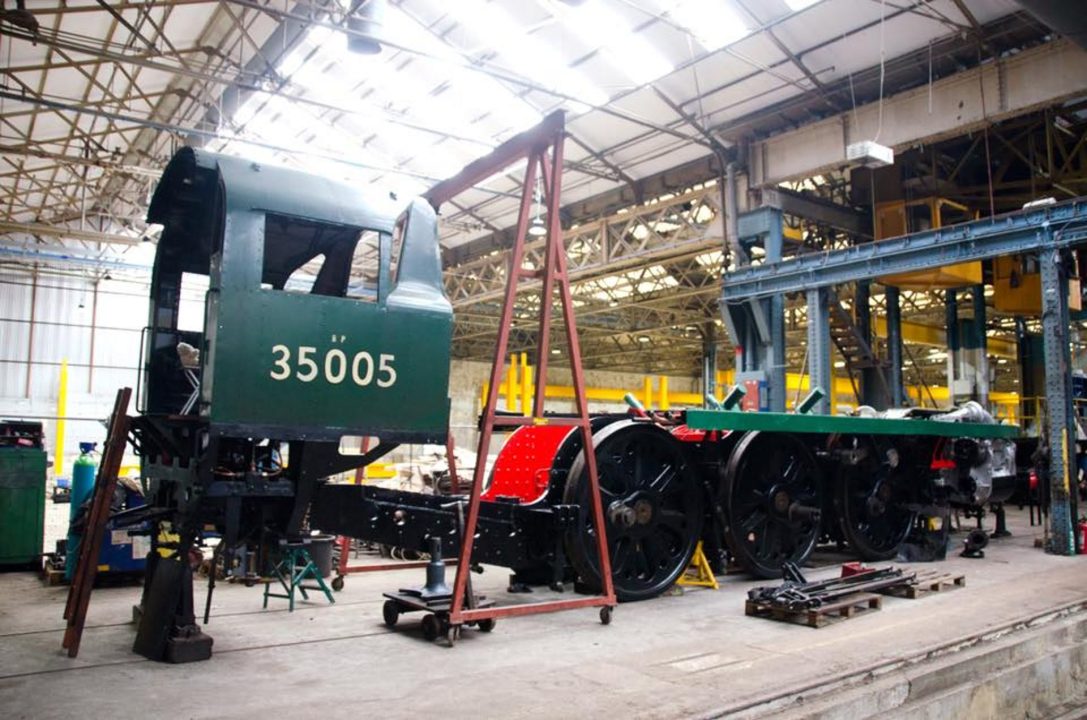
(46, 318)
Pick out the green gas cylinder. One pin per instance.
(83, 473)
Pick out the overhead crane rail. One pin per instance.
(1048, 227)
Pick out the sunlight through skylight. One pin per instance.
(599, 27)
(494, 29)
(712, 23)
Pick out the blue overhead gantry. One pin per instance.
(1048, 231)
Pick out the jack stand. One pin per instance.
(435, 599)
(294, 567)
(698, 572)
(1001, 522)
(167, 628)
(435, 587)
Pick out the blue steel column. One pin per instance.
(776, 375)
(983, 346)
(953, 343)
(894, 345)
(709, 363)
(1058, 393)
(819, 348)
(871, 387)
(952, 322)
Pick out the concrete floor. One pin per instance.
(695, 654)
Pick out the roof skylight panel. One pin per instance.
(317, 37)
(506, 107)
(506, 110)
(495, 29)
(630, 52)
(712, 23)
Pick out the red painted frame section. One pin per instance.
(523, 467)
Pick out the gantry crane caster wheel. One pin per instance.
(486, 625)
(605, 615)
(337, 583)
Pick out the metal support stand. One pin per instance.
(1001, 516)
(819, 348)
(1058, 380)
(294, 567)
(542, 146)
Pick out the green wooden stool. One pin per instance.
(294, 567)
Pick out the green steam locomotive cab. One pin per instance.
(239, 420)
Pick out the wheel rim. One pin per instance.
(653, 510)
(871, 509)
(772, 489)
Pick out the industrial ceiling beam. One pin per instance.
(960, 103)
(43, 230)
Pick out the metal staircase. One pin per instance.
(854, 348)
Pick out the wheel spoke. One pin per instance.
(620, 556)
(762, 542)
(792, 471)
(662, 482)
(753, 521)
(673, 520)
(656, 554)
(611, 473)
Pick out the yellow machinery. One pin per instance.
(1017, 286)
(900, 217)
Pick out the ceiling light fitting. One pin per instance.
(536, 228)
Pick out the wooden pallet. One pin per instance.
(52, 576)
(841, 609)
(925, 583)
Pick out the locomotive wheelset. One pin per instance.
(242, 436)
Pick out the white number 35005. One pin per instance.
(336, 366)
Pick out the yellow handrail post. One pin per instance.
(62, 412)
(511, 379)
(526, 386)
